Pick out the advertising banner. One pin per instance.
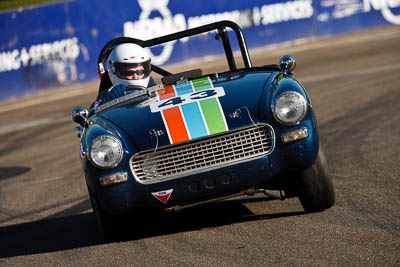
(57, 44)
(341, 16)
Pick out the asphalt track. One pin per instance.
(353, 80)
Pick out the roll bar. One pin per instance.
(222, 32)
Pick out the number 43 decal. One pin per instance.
(186, 98)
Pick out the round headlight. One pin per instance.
(106, 151)
(289, 108)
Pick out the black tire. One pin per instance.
(109, 225)
(317, 192)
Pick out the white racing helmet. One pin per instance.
(129, 64)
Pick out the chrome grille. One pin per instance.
(209, 152)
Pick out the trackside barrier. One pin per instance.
(57, 44)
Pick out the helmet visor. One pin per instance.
(132, 71)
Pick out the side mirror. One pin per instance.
(80, 115)
(287, 64)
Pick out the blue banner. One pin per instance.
(58, 44)
(342, 16)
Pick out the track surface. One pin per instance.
(353, 80)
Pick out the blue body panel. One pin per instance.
(241, 91)
(249, 95)
(297, 155)
(132, 194)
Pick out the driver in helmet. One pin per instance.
(128, 65)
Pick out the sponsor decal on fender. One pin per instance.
(163, 196)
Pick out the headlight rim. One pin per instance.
(103, 136)
(274, 112)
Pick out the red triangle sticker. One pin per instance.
(163, 196)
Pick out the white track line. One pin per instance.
(14, 127)
(365, 71)
(19, 185)
(302, 45)
(37, 100)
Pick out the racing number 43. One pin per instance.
(187, 98)
(171, 102)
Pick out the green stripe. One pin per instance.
(212, 112)
(202, 84)
(213, 115)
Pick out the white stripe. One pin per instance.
(176, 93)
(204, 119)
(184, 122)
(166, 127)
(165, 122)
(223, 115)
(209, 80)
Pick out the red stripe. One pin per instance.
(167, 92)
(175, 124)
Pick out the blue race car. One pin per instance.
(198, 138)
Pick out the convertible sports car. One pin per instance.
(197, 138)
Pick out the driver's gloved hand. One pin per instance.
(116, 91)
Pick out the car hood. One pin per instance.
(182, 113)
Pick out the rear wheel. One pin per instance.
(316, 187)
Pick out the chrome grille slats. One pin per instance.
(210, 152)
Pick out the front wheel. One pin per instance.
(316, 187)
(109, 225)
